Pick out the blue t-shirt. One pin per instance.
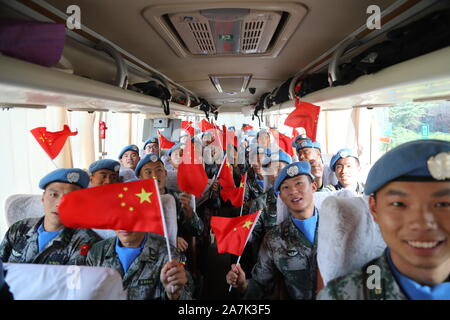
(260, 183)
(416, 291)
(128, 255)
(2, 277)
(45, 237)
(307, 226)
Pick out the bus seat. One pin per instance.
(22, 206)
(53, 282)
(170, 215)
(348, 236)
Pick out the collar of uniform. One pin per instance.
(64, 236)
(151, 249)
(34, 230)
(290, 231)
(388, 283)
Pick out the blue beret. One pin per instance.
(150, 157)
(298, 139)
(307, 143)
(150, 140)
(280, 156)
(73, 175)
(177, 146)
(130, 147)
(292, 170)
(419, 158)
(108, 164)
(343, 153)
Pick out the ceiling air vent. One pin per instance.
(226, 31)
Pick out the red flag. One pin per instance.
(305, 115)
(130, 206)
(191, 175)
(205, 125)
(233, 194)
(229, 138)
(247, 127)
(232, 233)
(187, 126)
(283, 141)
(164, 143)
(52, 142)
(226, 175)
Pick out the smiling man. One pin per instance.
(289, 249)
(345, 165)
(129, 156)
(409, 190)
(45, 240)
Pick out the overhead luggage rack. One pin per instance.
(25, 83)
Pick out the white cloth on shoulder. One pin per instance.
(53, 282)
(348, 237)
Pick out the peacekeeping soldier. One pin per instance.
(142, 261)
(45, 240)
(290, 248)
(345, 164)
(268, 219)
(104, 171)
(151, 145)
(128, 157)
(307, 150)
(409, 190)
(189, 224)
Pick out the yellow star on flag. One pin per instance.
(241, 185)
(144, 196)
(247, 224)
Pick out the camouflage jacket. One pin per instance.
(359, 188)
(20, 244)
(362, 284)
(255, 197)
(287, 251)
(187, 227)
(142, 279)
(268, 218)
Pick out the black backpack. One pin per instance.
(155, 89)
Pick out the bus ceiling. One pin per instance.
(216, 56)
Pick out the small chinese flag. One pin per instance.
(283, 141)
(232, 233)
(187, 126)
(130, 206)
(164, 143)
(305, 115)
(247, 127)
(226, 175)
(233, 194)
(205, 125)
(52, 142)
(191, 175)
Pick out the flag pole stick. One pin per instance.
(248, 237)
(166, 235)
(217, 174)
(245, 184)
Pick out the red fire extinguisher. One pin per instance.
(102, 128)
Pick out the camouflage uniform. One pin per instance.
(255, 197)
(20, 244)
(337, 187)
(287, 251)
(142, 279)
(354, 285)
(268, 218)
